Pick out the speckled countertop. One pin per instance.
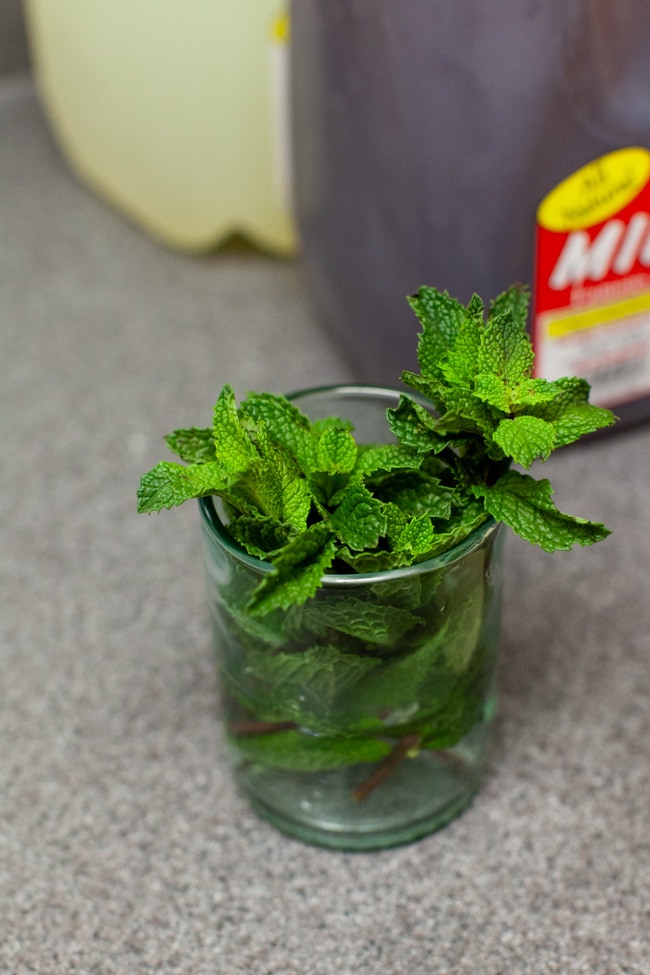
(124, 848)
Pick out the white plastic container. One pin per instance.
(174, 110)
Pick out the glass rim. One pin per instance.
(215, 526)
(213, 523)
(351, 389)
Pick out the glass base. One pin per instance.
(418, 797)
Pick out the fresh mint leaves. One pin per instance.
(316, 678)
(389, 505)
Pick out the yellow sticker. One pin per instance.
(595, 192)
(280, 29)
(599, 315)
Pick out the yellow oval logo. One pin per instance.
(595, 192)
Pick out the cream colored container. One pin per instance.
(174, 111)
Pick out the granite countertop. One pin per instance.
(124, 847)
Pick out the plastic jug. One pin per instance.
(427, 136)
(175, 111)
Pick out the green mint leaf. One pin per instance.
(259, 534)
(386, 457)
(413, 591)
(374, 625)
(465, 414)
(417, 536)
(284, 424)
(570, 411)
(463, 708)
(418, 681)
(525, 439)
(433, 389)
(513, 301)
(505, 351)
(418, 430)
(578, 421)
(446, 540)
(318, 427)
(526, 506)
(441, 317)
(526, 394)
(415, 493)
(460, 365)
(380, 560)
(309, 753)
(193, 446)
(297, 571)
(567, 391)
(532, 393)
(337, 451)
(313, 688)
(462, 641)
(360, 519)
(170, 484)
(493, 390)
(235, 451)
(413, 426)
(278, 486)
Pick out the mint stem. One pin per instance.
(386, 766)
(260, 727)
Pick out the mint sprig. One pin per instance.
(309, 499)
(478, 371)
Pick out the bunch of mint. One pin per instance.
(309, 499)
(315, 678)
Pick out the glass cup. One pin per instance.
(359, 720)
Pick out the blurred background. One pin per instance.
(390, 146)
(13, 39)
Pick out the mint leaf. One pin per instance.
(579, 420)
(441, 317)
(416, 680)
(234, 449)
(313, 688)
(337, 451)
(277, 485)
(454, 535)
(194, 445)
(416, 537)
(374, 625)
(570, 411)
(297, 571)
(413, 426)
(460, 365)
(462, 642)
(417, 429)
(493, 390)
(505, 351)
(309, 753)
(259, 534)
(359, 519)
(525, 439)
(284, 424)
(513, 301)
(381, 560)
(465, 414)
(170, 484)
(385, 457)
(415, 493)
(526, 506)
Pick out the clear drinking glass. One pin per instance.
(361, 719)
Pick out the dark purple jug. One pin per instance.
(426, 134)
